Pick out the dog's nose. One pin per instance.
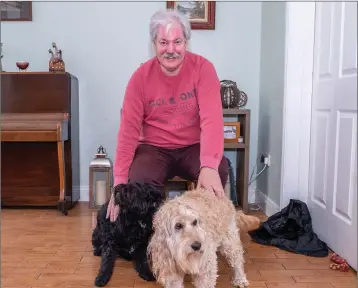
(196, 246)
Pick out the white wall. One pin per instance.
(104, 42)
(272, 81)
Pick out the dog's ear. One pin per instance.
(158, 252)
(139, 198)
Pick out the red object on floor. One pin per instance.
(339, 263)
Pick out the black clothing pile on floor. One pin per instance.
(291, 230)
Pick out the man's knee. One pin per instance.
(146, 174)
(149, 167)
(142, 170)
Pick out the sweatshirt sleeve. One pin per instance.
(211, 117)
(129, 129)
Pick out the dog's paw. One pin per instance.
(144, 271)
(148, 276)
(241, 282)
(101, 280)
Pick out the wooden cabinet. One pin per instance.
(243, 152)
(31, 170)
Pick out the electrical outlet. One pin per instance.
(262, 159)
(265, 159)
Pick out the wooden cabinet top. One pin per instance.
(236, 111)
(37, 92)
(44, 73)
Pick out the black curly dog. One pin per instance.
(129, 235)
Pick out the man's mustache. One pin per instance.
(171, 55)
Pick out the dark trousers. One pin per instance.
(154, 165)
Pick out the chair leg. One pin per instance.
(191, 185)
(61, 205)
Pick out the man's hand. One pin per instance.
(112, 209)
(210, 180)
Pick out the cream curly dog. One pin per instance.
(188, 232)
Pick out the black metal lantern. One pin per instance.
(100, 179)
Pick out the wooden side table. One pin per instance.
(242, 154)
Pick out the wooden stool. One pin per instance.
(189, 184)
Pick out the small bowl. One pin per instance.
(22, 65)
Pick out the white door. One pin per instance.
(333, 155)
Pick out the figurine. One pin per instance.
(56, 63)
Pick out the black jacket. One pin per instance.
(291, 230)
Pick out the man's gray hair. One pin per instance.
(165, 17)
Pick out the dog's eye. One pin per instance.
(178, 226)
(195, 222)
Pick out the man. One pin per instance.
(171, 122)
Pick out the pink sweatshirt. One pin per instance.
(171, 112)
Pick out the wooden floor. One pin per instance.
(45, 249)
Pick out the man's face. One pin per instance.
(170, 47)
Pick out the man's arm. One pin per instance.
(211, 117)
(130, 128)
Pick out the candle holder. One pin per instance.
(100, 179)
(22, 65)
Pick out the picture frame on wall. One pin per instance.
(16, 10)
(201, 14)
